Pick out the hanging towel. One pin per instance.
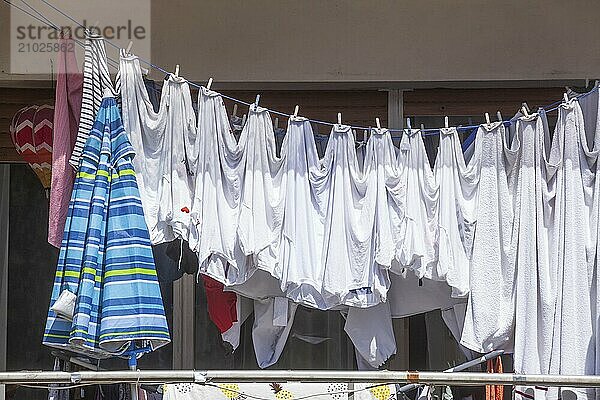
(415, 207)
(96, 79)
(67, 107)
(489, 321)
(590, 105)
(458, 183)
(106, 257)
(571, 164)
(164, 143)
(535, 292)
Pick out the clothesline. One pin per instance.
(430, 131)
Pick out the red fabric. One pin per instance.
(494, 392)
(67, 107)
(221, 305)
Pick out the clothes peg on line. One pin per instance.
(129, 46)
(235, 110)
(422, 128)
(378, 123)
(276, 123)
(587, 82)
(177, 71)
(526, 106)
(499, 115)
(566, 97)
(408, 124)
(209, 84)
(257, 100)
(525, 112)
(94, 26)
(446, 122)
(339, 118)
(487, 118)
(296, 111)
(243, 120)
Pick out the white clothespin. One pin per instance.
(128, 49)
(525, 111)
(144, 71)
(565, 97)
(487, 118)
(587, 82)
(209, 84)
(499, 115)
(296, 111)
(235, 110)
(89, 28)
(276, 123)
(422, 128)
(446, 123)
(366, 135)
(526, 106)
(257, 100)
(177, 71)
(339, 118)
(244, 120)
(408, 124)
(378, 123)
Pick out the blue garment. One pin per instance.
(105, 256)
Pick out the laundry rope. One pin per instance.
(426, 132)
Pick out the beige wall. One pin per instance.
(372, 41)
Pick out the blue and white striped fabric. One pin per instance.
(105, 256)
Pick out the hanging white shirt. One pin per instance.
(217, 195)
(163, 143)
(414, 208)
(300, 269)
(349, 200)
(262, 195)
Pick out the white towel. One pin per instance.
(573, 344)
(535, 289)
(489, 320)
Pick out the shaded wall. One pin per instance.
(365, 41)
(31, 268)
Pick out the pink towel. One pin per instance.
(67, 108)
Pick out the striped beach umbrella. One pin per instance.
(105, 263)
(31, 134)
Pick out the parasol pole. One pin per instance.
(133, 367)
